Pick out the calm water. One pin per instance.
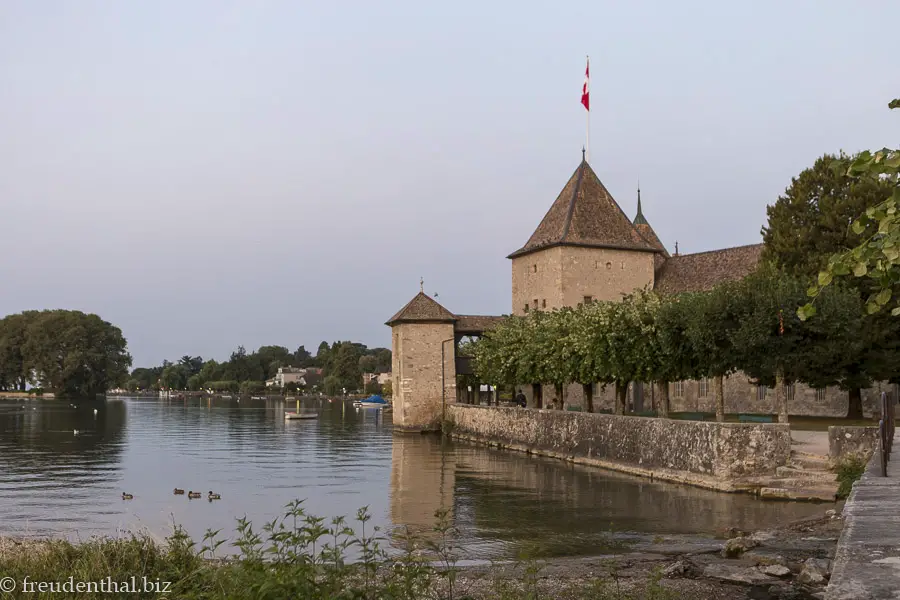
(53, 482)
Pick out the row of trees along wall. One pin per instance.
(838, 222)
(750, 326)
(68, 352)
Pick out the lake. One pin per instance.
(54, 482)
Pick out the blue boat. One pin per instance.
(374, 400)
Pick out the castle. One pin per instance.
(584, 249)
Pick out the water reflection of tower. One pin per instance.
(423, 478)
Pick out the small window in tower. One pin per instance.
(623, 265)
(588, 299)
(609, 265)
(544, 303)
(535, 268)
(535, 303)
(526, 308)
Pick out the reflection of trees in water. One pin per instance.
(36, 441)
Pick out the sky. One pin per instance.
(215, 173)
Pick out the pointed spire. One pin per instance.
(639, 218)
(421, 284)
(582, 154)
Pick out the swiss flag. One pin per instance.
(586, 89)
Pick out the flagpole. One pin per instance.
(588, 125)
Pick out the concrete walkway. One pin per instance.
(867, 560)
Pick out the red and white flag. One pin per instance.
(586, 89)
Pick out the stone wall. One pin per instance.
(846, 441)
(708, 454)
(536, 276)
(564, 275)
(603, 274)
(741, 396)
(417, 373)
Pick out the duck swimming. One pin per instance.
(213, 496)
(193, 494)
(127, 496)
(179, 492)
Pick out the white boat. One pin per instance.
(291, 416)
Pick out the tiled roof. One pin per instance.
(704, 270)
(585, 214)
(473, 324)
(422, 308)
(645, 230)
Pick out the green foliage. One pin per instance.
(300, 555)
(809, 222)
(343, 360)
(873, 258)
(387, 389)
(644, 338)
(68, 352)
(849, 470)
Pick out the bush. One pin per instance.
(849, 470)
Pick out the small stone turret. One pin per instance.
(424, 367)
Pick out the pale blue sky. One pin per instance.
(208, 174)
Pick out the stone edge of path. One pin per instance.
(867, 559)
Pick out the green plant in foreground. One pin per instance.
(301, 556)
(849, 470)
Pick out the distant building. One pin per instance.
(287, 375)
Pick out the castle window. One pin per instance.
(761, 391)
(703, 388)
(544, 303)
(609, 265)
(623, 265)
(820, 395)
(535, 303)
(526, 307)
(789, 392)
(535, 268)
(679, 389)
(588, 299)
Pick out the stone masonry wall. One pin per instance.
(846, 441)
(417, 374)
(701, 453)
(536, 276)
(564, 275)
(603, 274)
(741, 396)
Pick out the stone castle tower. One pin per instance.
(584, 249)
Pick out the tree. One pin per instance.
(809, 222)
(174, 377)
(678, 358)
(874, 261)
(73, 353)
(302, 358)
(387, 389)
(332, 386)
(321, 359)
(191, 364)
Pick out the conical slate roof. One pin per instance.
(644, 228)
(585, 214)
(421, 309)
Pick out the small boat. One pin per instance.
(373, 401)
(298, 415)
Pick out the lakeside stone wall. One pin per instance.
(714, 455)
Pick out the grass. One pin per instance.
(301, 556)
(849, 470)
